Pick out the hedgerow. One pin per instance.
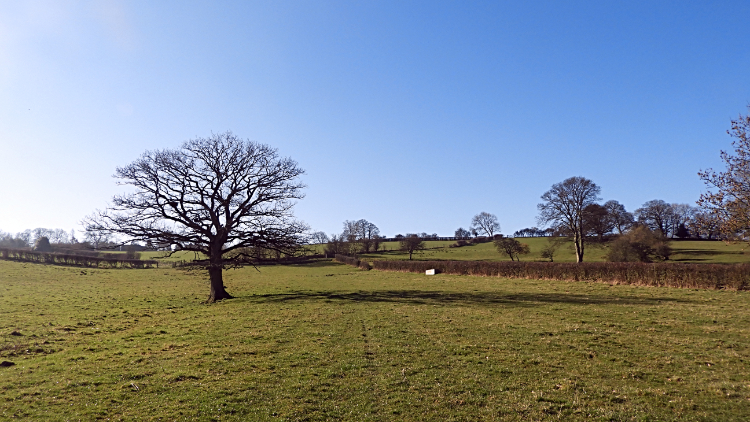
(352, 261)
(113, 261)
(702, 276)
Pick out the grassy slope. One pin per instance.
(684, 251)
(327, 341)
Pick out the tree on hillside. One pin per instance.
(370, 236)
(462, 233)
(319, 238)
(212, 195)
(640, 243)
(683, 214)
(596, 221)
(657, 215)
(96, 238)
(511, 247)
(619, 217)
(705, 225)
(486, 223)
(411, 243)
(336, 245)
(553, 244)
(361, 235)
(728, 200)
(563, 207)
(682, 231)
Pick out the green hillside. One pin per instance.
(684, 251)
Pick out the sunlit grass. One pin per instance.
(327, 341)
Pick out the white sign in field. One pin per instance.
(430, 272)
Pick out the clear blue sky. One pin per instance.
(412, 115)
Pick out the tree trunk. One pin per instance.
(217, 284)
(578, 239)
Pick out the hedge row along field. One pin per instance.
(352, 261)
(88, 260)
(696, 276)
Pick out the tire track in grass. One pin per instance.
(371, 369)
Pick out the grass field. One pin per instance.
(325, 341)
(684, 251)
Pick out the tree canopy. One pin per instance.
(728, 201)
(411, 243)
(564, 206)
(212, 195)
(486, 223)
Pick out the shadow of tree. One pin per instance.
(318, 263)
(426, 297)
(696, 255)
(700, 252)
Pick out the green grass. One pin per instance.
(684, 251)
(325, 341)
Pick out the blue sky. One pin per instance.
(412, 115)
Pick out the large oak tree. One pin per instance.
(213, 195)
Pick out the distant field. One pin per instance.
(684, 251)
(326, 341)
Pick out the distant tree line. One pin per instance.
(357, 236)
(80, 258)
(28, 238)
(571, 210)
(534, 232)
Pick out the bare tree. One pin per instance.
(24, 238)
(683, 215)
(411, 243)
(58, 236)
(729, 198)
(97, 238)
(462, 233)
(370, 234)
(319, 238)
(73, 239)
(596, 221)
(336, 245)
(511, 247)
(213, 195)
(705, 225)
(619, 217)
(486, 223)
(657, 215)
(553, 244)
(8, 240)
(360, 234)
(564, 204)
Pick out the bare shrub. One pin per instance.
(639, 244)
